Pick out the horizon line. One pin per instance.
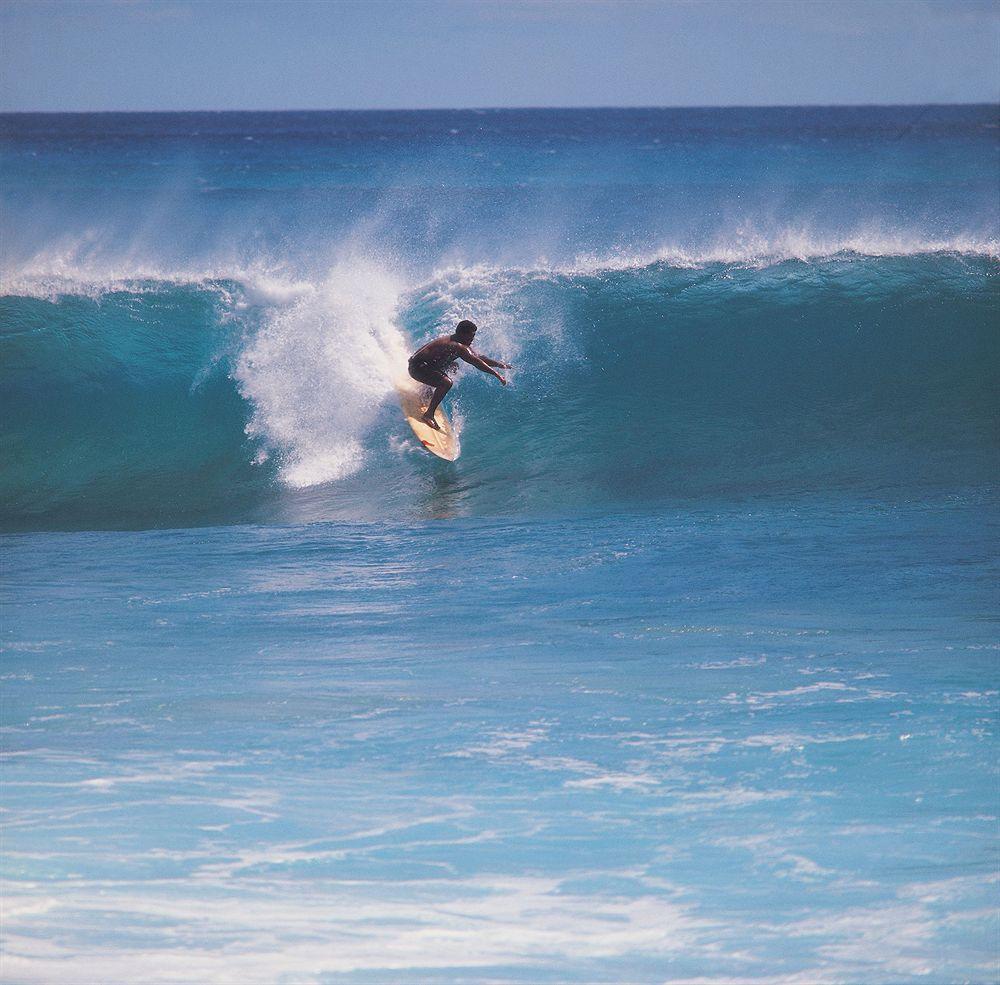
(500, 109)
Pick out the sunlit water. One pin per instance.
(752, 742)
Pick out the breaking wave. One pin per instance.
(174, 398)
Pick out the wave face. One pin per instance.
(164, 402)
(202, 315)
(118, 404)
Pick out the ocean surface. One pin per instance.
(685, 671)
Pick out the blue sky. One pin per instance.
(208, 54)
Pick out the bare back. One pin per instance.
(440, 354)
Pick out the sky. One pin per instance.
(59, 55)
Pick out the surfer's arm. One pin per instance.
(479, 362)
(492, 362)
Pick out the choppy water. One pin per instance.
(686, 670)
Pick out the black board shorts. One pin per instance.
(426, 373)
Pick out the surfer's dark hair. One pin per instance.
(466, 327)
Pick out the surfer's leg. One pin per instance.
(441, 384)
(438, 396)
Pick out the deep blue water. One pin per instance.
(685, 670)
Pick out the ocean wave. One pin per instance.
(145, 398)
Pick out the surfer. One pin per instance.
(431, 363)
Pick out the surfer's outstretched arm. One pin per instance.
(470, 357)
(493, 362)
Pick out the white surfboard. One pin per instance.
(413, 399)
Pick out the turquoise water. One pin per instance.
(685, 671)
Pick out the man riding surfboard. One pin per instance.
(432, 362)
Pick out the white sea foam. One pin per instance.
(290, 932)
(742, 247)
(748, 247)
(79, 264)
(319, 369)
(614, 781)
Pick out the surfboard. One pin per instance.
(413, 400)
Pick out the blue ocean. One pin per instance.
(685, 671)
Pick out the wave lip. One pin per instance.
(758, 251)
(766, 251)
(74, 268)
(71, 271)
